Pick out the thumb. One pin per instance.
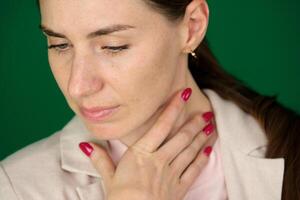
(100, 160)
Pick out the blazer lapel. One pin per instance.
(248, 174)
(91, 191)
(252, 178)
(73, 160)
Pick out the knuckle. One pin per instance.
(161, 158)
(177, 105)
(200, 139)
(163, 125)
(193, 150)
(200, 162)
(186, 136)
(140, 149)
(198, 119)
(195, 121)
(194, 124)
(174, 172)
(195, 167)
(174, 109)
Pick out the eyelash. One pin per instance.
(112, 49)
(115, 49)
(57, 47)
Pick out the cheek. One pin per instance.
(150, 79)
(60, 72)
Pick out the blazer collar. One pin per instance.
(248, 174)
(72, 159)
(236, 128)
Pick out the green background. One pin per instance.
(257, 41)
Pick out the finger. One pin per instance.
(163, 126)
(181, 162)
(100, 160)
(182, 139)
(194, 169)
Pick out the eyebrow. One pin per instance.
(100, 32)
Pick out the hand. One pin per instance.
(152, 168)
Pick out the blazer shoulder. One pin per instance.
(6, 190)
(25, 170)
(32, 154)
(40, 157)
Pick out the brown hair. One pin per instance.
(281, 124)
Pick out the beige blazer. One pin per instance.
(55, 168)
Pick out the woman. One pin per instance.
(132, 57)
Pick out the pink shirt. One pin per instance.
(209, 185)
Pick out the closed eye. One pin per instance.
(115, 49)
(65, 46)
(59, 47)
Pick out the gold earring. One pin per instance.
(193, 54)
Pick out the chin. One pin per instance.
(105, 131)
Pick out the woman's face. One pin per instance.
(138, 79)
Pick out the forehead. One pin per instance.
(86, 14)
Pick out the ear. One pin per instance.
(194, 24)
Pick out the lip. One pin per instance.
(97, 114)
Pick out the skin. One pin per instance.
(141, 79)
(149, 170)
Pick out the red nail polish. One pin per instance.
(86, 148)
(208, 150)
(208, 129)
(208, 116)
(185, 95)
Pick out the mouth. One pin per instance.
(98, 114)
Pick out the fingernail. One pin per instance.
(208, 129)
(207, 150)
(208, 116)
(86, 148)
(185, 95)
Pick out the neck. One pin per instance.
(198, 103)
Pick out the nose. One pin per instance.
(84, 79)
